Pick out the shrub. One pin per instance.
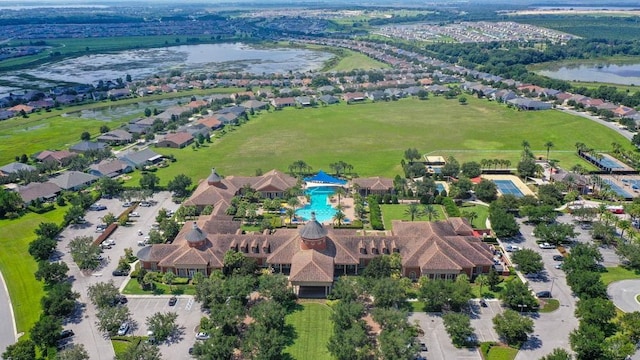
(450, 207)
(375, 214)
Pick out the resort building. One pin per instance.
(313, 255)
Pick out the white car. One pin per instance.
(202, 336)
(134, 214)
(546, 245)
(124, 329)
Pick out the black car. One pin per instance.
(119, 272)
(173, 300)
(558, 257)
(483, 303)
(64, 334)
(423, 346)
(191, 351)
(123, 299)
(543, 294)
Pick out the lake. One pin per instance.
(625, 74)
(205, 58)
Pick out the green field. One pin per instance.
(588, 26)
(618, 273)
(373, 137)
(482, 211)
(355, 60)
(313, 328)
(18, 267)
(397, 212)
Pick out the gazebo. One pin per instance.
(323, 179)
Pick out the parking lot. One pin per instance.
(439, 346)
(189, 316)
(97, 344)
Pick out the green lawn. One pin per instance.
(133, 288)
(486, 291)
(312, 331)
(397, 212)
(18, 267)
(355, 60)
(373, 136)
(550, 306)
(618, 273)
(501, 353)
(483, 212)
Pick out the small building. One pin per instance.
(304, 101)
(211, 122)
(328, 99)
(110, 168)
(354, 97)
(176, 140)
(116, 137)
(74, 180)
(14, 168)
(141, 158)
(529, 104)
(61, 158)
(374, 186)
(280, 103)
(46, 191)
(87, 146)
(254, 105)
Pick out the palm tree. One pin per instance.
(340, 192)
(624, 225)
(548, 145)
(507, 163)
(338, 217)
(616, 147)
(470, 216)
(430, 211)
(483, 163)
(293, 202)
(413, 211)
(525, 145)
(290, 212)
(482, 280)
(580, 147)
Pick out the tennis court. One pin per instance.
(606, 162)
(508, 187)
(617, 189)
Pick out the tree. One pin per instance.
(439, 294)
(25, 349)
(237, 263)
(430, 212)
(597, 311)
(539, 213)
(411, 154)
(265, 338)
(503, 223)
(493, 279)
(379, 267)
(47, 230)
(109, 219)
(527, 168)
(517, 295)
(46, 331)
(555, 233)
(471, 169)
(486, 190)
(587, 341)
(630, 325)
(513, 327)
(275, 287)
(179, 185)
(75, 352)
(462, 100)
(149, 181)
(73, 215)
(85, 136)
(469, 215)
(51, 272)
(168, 278)
(458, 327)
(84, 252)
(60, 300)
(41, 248)
(103, 294)
(140, 351)
(528, 261)
(109, 186)
(387, 292)
(111, 317)
(558, 354)
(548, 145)
(413, 211)
(350, 344)
(147, 112)
(104, 129)
(219, 346)
(163, 326)
(451, 167)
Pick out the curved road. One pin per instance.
(611, 125)
(623, 294)
(7, 333)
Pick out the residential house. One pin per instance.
(74, 180)
(329, 99)
(46, 191)
(211, 122)
(529, 104)
(503, 95)
(374, 185)
(22, 107)
(254, 105)
(6, 114)
(176, 140)
(87, 146)
(116, 137)
(326, 89)
(303, 101)
(280, 103)
(118, 93)
(624, 111)
(141, 158)
(351, 97)
(14, 168)
(110, 168)
(376, 95)
(62, 158)
(235, 110)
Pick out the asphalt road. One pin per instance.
(623, 294)
(611, 125)
(7, 332)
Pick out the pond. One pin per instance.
(208, 58)
(623, 74)
(117, 112)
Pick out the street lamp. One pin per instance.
(553, 280)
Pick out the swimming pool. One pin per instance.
(508, 187)
(319, 204)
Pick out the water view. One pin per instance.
(206, 58)
(626, 74)
(319, 203)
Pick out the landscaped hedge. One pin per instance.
(450, 207)
(356, 224)
(375, 214)
(41, 209)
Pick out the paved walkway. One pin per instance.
(7, 332)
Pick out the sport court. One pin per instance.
(509, 184)
(626, 186)
(607, 162)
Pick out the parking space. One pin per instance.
(439, 346)
(83, 324)
(189, 316)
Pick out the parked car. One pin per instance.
(173, 300)
(140, 233)
(423, 346)
(586, 226)
(483, 303)
(124, 328)
(118, 272)
(67, 333)
(97, 207)
(126, 204)
(145, 204)
(558, 257)
(122, 299)
(546, 245)
(543, 294)
(202, 336)
(134, 214)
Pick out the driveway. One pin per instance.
(551, 330)
(83, 323)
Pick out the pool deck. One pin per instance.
(524, 189)
(347, 207)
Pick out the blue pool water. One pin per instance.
(318, 204)
(440, 187)
(508, 187)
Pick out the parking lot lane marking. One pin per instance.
(189, 304)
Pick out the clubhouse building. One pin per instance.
(313, 255)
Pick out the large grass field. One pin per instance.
(313, 328)
(373, 137)
(355, 60)
(18, 267)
